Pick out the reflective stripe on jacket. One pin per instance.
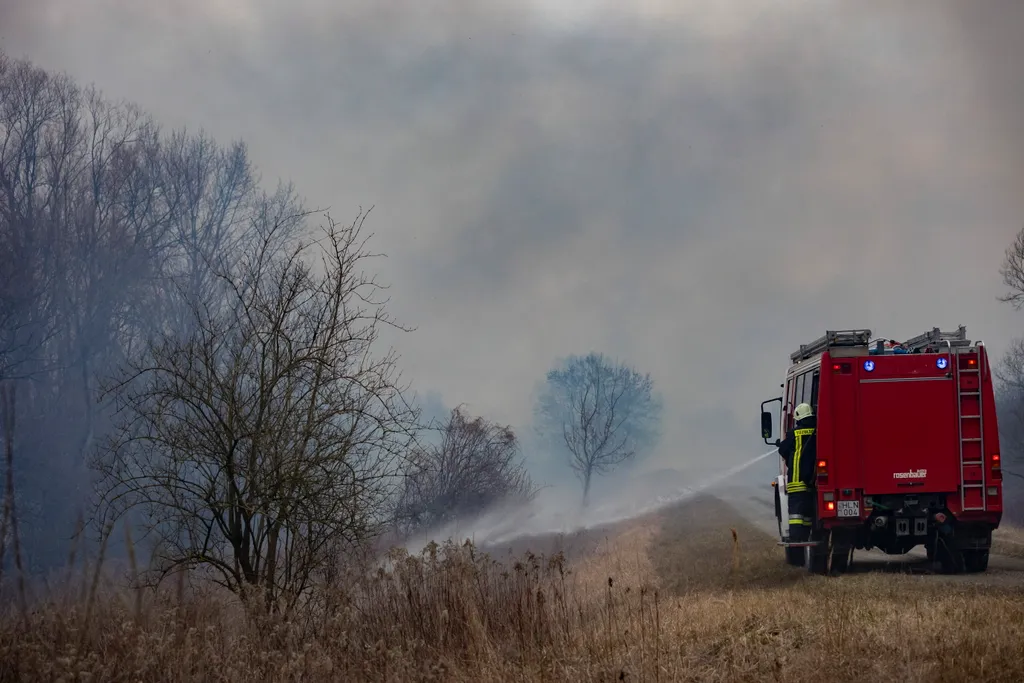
(799, 450)
(798, 479)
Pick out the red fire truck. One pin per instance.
(907, 448)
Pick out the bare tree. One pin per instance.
(9, 518)
(1010, 403)
(1010, 412)
(474, 465)
(40, 175)
(27, 107)
(1012, 271)
(109, 232)
(209, 190)
(78, 240)
(268, 436)
(1010, 373)
(104, 252)
(602, 413)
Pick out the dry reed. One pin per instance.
(660, 599)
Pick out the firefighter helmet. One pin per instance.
(803, 411)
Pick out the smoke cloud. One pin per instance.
(693, 187)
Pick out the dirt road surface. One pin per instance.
(758, 509)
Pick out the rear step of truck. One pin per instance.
(970, 422)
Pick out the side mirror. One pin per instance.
(766, 420)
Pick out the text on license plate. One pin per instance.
(848, 508)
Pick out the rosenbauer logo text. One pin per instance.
(912, 474)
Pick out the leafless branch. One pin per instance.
(474, 465)
(604, 413)
(269, 435)
(1013, 272)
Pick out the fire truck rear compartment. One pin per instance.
(909, 458)
(908, 435)
(908, 448)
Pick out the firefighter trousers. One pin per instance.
(801, 515)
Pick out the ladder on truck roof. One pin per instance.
(971, 430)
(938, 339)
(832, 338)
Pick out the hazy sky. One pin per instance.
(696, 187)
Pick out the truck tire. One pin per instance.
(816, 557)
(951, 560)
(841, 560)
(778, 514)
(795, 557)
(975, 561)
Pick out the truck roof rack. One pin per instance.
(936, 338)
(932, 341)
(831, 339)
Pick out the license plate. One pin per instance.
(848, 508)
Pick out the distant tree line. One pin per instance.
(184, 351)
(1010, 390)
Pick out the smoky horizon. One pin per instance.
(692, 189)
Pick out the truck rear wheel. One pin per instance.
(816, 556)
(975, 561)
(951, 560)
(795, 557)
(783, 529)
(841, 560)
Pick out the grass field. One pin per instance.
(671, 597)
(1009, 541)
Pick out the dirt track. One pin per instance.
(693, 547)
(759, 510)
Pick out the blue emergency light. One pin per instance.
(869, 365)
(941, 363)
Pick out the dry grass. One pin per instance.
(764, 620)
(671, 598)
(1009, 541)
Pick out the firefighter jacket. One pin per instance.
(799, 450)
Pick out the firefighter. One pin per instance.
(798, 450)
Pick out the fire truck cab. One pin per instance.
(907, 449)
